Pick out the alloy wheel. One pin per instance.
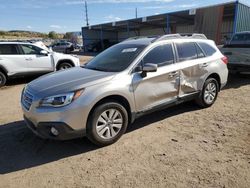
(109, 123)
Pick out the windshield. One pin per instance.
(116, 58)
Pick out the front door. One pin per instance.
(37, 62)
(160, 87)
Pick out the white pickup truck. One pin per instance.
(22, 59)
(237, 51)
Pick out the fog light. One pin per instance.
(54, 131)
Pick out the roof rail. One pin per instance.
(181, 35)
(140, 37)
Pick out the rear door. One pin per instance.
(35, 61)
(157, 88)
(12, 59)
(192, 64)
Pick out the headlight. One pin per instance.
(61, 100)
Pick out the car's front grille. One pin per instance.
(27, 99)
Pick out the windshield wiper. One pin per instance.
(97, 69)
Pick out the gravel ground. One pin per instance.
(182, 146)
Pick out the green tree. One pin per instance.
(68, 35)
(52, 35)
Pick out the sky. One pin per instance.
(69, 15)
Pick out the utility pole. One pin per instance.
(86, 13)
(136, 13)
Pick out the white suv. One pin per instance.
(21, 59)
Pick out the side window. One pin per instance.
(161, 55)
(186, 51)
(9, 49)
(239, 37)
(30, 49)
(209, 50)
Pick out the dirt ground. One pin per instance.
(182, 146)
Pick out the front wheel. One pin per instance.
(107, 123)
(209, 93)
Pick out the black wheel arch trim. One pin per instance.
(64, 61)
(5, 71)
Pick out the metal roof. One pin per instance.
(159, 21)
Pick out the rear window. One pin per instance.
(209, 50)
(8, 49)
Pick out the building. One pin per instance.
(217, 22)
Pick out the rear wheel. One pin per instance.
(107, 123)
(2, 79)
(64, 66)
(209, 93)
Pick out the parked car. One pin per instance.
(64, 47)
(122, 83)
(22, 59)
(97, 46)
(238, 52)
(78, 46)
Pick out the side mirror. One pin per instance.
(44, 52)
(149, 67)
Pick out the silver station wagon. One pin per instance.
(140, 75)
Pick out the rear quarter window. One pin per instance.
(8, 49)
(209, 50)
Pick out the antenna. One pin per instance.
(86, 13)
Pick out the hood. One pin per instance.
(67, 80)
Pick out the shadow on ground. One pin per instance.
(21, 80)
(21, 149)
(237, 80)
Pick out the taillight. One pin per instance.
(225, 60)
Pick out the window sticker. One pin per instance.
(127, 50)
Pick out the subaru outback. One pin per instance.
(137, 76)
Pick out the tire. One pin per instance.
(64, 65)
(110, 128)
(209, 93)
(3, 79)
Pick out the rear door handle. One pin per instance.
(173, 74)
(204, 64)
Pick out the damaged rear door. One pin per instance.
(192, 63)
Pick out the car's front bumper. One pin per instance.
(43, 130)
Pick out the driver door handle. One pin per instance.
(28, 59)
(173, 74)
